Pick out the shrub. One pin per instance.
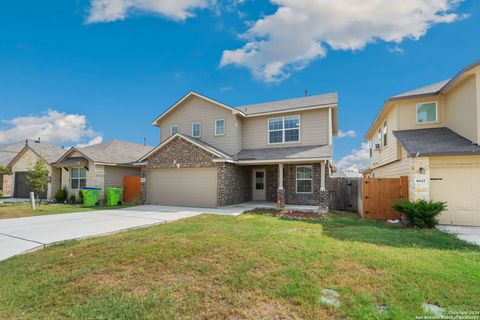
(421, 213)
(61, 195)
(80, 195)
(1, 193)
(73, 198)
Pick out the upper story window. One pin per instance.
(385, 131)
(220, 127)
(196, 130)
(427, 112)
(370, 148)
(78, 178)
(378, 143)
(173, 129)
(284, 129)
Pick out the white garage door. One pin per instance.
(182, 187)
(459, 186)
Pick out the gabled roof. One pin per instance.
(426, 91)
(198, 95)
(47, 151)
(435, 142)
(115, 152)
(9, 152)
(199, 143)
(327, 100)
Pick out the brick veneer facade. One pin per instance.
(234, 183)
(6, 185)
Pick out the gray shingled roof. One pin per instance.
(10, 151)
(115, 152)
(49, 152)
(304, 152)
(310, 101)
(426, 90)
(435, 142)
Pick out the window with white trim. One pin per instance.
(385, 130)
(220, 127)
(304, 179)
(284, 129)
(370, 148)
(173, 129)
(78, 178)
(427, 112)
(196, 130)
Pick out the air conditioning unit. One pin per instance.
(377, 146)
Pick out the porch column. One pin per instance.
(280, 191)
(322, 178)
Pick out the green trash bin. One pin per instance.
(90, 196)
(114, 196)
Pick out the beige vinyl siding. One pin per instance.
(407, 111)
(195, 109)
(391, 152)
(114, 175)
(394, 169)
(314, 130)
(462, 110)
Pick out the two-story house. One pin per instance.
(431, 135)
(212, 154)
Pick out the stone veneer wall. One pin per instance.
(316, 198)
(234, 184)
(180, 154)
(418, 183)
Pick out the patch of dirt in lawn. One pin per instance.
(294, 215)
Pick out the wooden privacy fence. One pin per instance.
(379, 194)
(132, 188)
(344, 194)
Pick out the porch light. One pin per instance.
(421, 170)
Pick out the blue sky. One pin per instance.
(119, 65)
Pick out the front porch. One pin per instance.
(280, 185)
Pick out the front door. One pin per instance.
(259, 189)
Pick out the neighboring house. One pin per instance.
(212, 154)
(7, 153)
(21, 161)
(101, 165)
(431, 135)
(347, 174)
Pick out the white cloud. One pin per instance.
(112, 10)
(96, 140)
(347, 134)
(356, 161)
(53, 126)
(301, 31)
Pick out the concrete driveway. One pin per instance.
(469, 234)
(25, 234)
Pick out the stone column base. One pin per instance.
(280, 198)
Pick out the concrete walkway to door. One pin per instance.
(21, 235)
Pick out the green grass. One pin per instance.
(245, 267)
(19, 210)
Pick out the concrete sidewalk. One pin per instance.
(469, 234)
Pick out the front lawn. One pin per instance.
(18, 210)
(245, 267)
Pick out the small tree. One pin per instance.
(37, 179)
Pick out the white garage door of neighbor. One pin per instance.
(459, 186)
(190, 187)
